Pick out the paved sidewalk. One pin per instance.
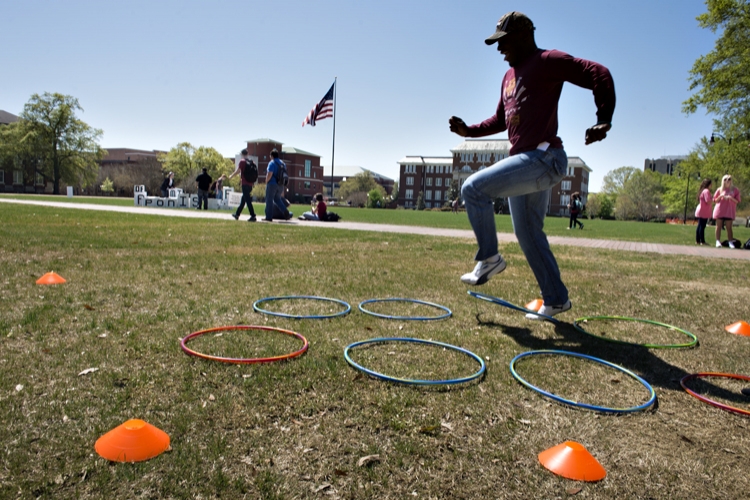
(631, 246)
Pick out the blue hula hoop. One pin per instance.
(482, 366)
(257, 308)
(447, 314)
(603, 409)
(505, 303)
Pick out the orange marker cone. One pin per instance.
(739, 328)
(535, 305)
(133, 441)
(572, 460)
(51, 278)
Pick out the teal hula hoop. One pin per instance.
(407, 381)
(447, 312)
(257, 308)
(555, 397)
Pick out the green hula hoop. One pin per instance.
(693, 339)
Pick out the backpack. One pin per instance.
(332, 217)
(746, 246)
(282, 176)
(250, 173)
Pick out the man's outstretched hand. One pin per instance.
(597, 133)
(457, 126)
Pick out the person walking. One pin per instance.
(245, 169)
(703, 211)
(726, 198)
(167, 185)
(203, 181)
(275, 174)
(530, 91)
(575, 206)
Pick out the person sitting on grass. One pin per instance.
(318, 209)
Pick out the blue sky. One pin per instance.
(152, 74)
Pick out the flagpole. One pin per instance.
(333, 146)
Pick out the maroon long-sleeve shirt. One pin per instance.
(531, 91)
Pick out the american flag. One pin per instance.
(324, 109)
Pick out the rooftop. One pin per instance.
(351, 171)
(6, 118)
(475, 145)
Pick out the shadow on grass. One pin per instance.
(640, 360)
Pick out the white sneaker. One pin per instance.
(484, 270)
(731, 244)
(718, 244)
(549, 311)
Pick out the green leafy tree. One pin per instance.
(639, 197)
(420, 201)
(453, 191)
(375, 199)
(107, 185)
(187, 161)
(598, 205)
(615, 180)
(721, 78)
(363, 182)
(52, 141)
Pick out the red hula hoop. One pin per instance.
(245, 361)
(697, 396)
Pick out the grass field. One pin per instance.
(137, 284)
(554, 226)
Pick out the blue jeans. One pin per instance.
(273, 197)
(526, 180)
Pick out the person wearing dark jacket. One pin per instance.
(167, 185)
(204, 184)
(529, 93)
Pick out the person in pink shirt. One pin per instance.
(726, 198)
(703, 211)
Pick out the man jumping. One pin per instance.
(528, 111)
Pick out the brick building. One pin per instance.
(305, 172)
(664, 165)
(432, 175)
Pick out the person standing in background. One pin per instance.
(703, 211)
(726, 198)
(204, 183)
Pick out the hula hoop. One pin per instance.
(603, 409)
(244, 361)
(347, 307)
(712, 402)
(692, 343)
(482, 366)
(447, 314)
(505, 303)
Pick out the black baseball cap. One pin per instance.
(512, 22)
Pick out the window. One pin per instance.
(439, 182)
(428, 195)
(449, 170)
(307, 184)
(409, 194)
(429, 181)
(410, 169)
(410, 181)
(564, 199)
(308, 164)
(437, 195)
(571, 171)
(447, 195)
(565, 185)
(39, 179)
(17, 177)
(428, 205)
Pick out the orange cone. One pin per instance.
(572, 460)
(739, 328)
(133, 441)
(51, 278)
(535, 305)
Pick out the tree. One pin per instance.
(453, 191)
(420, 201)
(50, 139)
(721, 78)
(363, 182)
(615, 179)
(599, 205)
(375, 199)
(187, 162)
(639, 196)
